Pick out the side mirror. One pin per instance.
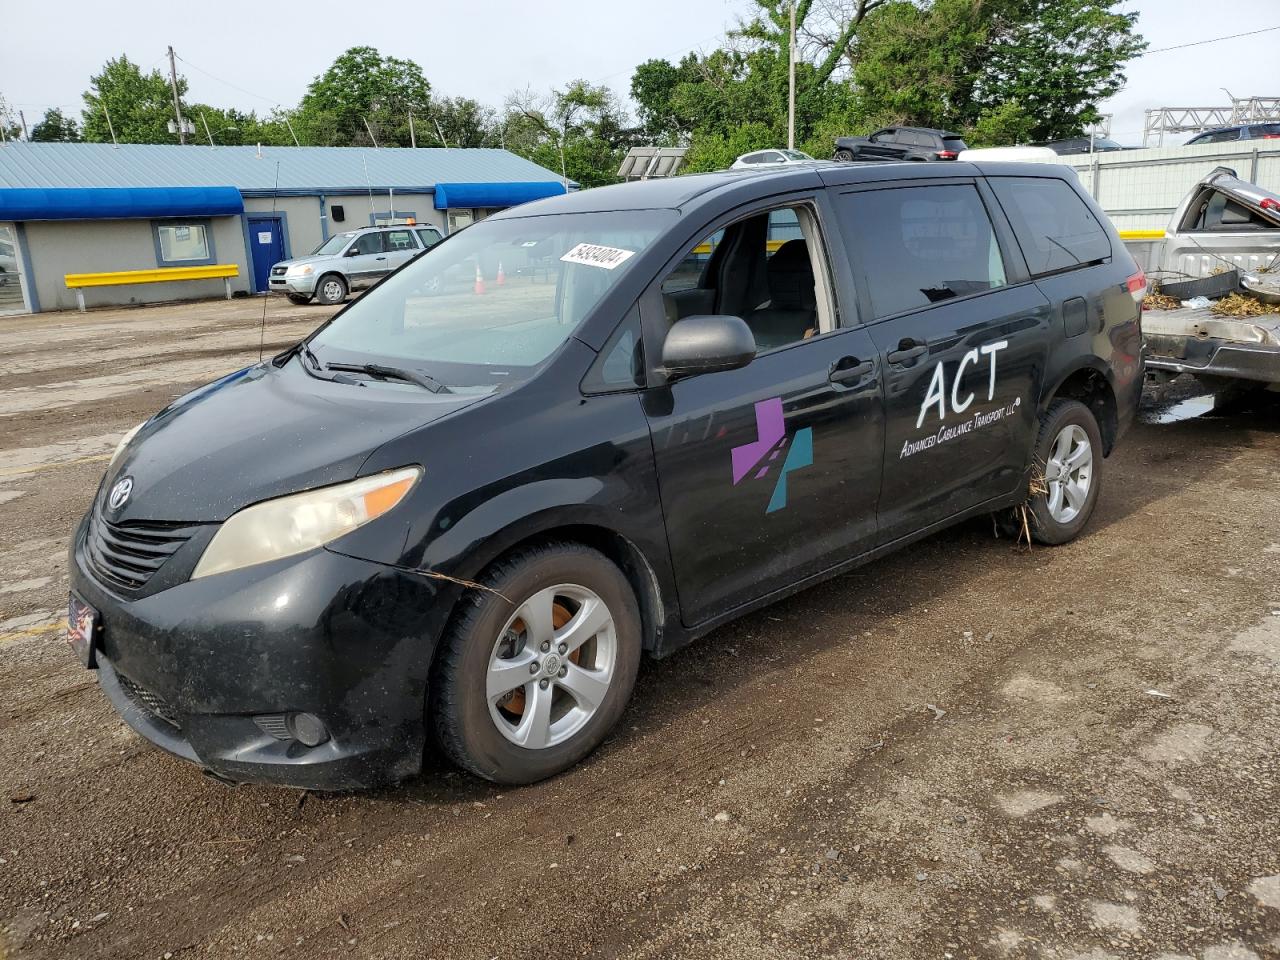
(705, 344)
(353, 252)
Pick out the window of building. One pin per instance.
(1054, 226)
(922, 245)
(183, 244)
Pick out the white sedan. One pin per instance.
(770, 158)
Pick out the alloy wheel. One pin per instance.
(551, 666)
(1068, 473)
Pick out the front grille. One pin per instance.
(128, 554)
(278, 271)
(149, 702)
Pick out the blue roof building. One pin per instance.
(88, 208)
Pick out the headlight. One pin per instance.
(303, 271)
(297, 523)
(124, 442)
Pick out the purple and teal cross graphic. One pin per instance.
(772, 435)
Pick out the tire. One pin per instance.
(331, 289)
(299, 299)
(844, 156)
(499, 738)
(1068, 435)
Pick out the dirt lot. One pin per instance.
(965, 750)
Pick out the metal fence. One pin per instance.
(1140, 189)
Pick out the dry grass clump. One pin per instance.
(1160, 301)
(1238, 305)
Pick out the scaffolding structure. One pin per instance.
(1198, 119)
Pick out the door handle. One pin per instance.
(849, 369)
(380, 258)
(908, 349)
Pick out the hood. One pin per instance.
(299, 261)
(264, 432)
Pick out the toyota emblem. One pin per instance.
(120, 493)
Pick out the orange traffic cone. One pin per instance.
(502, 277)
(479, 281)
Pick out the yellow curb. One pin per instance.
(37, 632)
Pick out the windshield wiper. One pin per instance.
(381, 372)
(304, 351)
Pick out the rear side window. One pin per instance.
(922, 245)
(1265, 130)
(1055, 227)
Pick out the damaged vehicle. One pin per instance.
(1225, 233)
(461, 515)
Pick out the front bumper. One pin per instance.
(299, 286)
(208, 668)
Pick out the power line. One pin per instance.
(275, 102)
(1198, 43)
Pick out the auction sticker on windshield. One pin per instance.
(594, 255)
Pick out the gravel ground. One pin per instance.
(968, 749)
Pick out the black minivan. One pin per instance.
(589, 427)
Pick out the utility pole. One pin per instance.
(177, 108)
(290, 126)
(371, 136)
(23, 117)
(413, 139)
(791, 85)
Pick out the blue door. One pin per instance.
(266, 240)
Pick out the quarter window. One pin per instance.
(429, 238)
(184, 244)
(922, 245)
(1054, 226)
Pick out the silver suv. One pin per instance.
(350, 261)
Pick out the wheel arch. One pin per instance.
(1092, 387)
(653, 596)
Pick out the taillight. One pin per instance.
(1270, 136)
(947, 154)
(1137, 285)
(1270, 203)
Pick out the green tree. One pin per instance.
(227, 126)
(580, 131)
(459, 122)
(55, 126)
(9, 125)
(363, 93)
(140, 105)
(1058, 59)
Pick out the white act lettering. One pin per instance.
(937, 393)
(956, 405)
(991, 349)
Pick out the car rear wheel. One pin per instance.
(331, 289)
(844, 156)
(299, 299)
(1069, 472)
(537, 666)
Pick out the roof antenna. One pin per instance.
(266, 294)
(368, 183)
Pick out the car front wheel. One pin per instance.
(1068, 472)
(331, 290)
(538, 665)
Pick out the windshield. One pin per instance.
(334, 244)
(496, 300)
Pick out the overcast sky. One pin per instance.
(254, 55)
